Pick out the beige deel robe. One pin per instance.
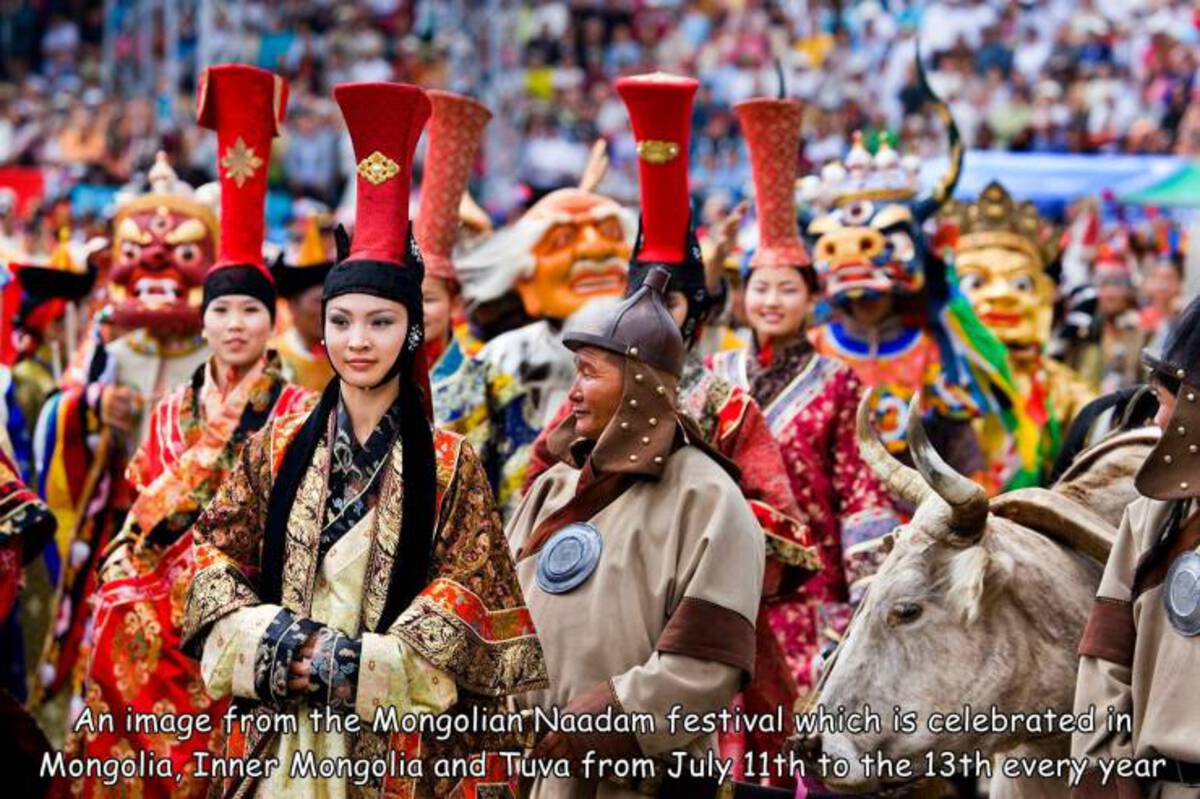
(1149, 670)
(687, 541)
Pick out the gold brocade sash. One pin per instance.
(170, 491)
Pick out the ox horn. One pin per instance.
(903, 481)
(967, 500)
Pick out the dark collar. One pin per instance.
(378, 444)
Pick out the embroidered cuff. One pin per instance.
(227, 661)
(334, 676)
(276, 651)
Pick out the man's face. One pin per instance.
(1162, 285)
(1166, 405)
(1112, 292)
(596, 393)
(582, 255)
(1010, 293)
(306, 314)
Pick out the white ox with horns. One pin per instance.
(978, 603)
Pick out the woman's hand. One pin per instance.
(300, 667)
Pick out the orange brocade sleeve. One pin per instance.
(471, 619)
(228, 535)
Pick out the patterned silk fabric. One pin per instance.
(812, 416)
(770, 373)
(355, 472)
(134, 660)
(470, 621)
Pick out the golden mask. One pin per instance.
(1001, 255)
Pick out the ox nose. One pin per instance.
(850, 245)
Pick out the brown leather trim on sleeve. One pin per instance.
(616, 745)
(706, 631)
(1117, 788)
(1110, 633)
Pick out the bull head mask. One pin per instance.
(866, 240)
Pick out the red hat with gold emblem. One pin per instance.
(660, 112)
(455, 133)
(772, 132)
(245, 106)
(385, 122)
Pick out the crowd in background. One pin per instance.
(1036, 75)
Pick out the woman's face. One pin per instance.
(777, 302)
(438, 304)
(237, 328)
(364, 336)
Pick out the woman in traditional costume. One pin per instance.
(809, 401)
(195, 437)
(354, 561)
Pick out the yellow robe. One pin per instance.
(393, 674)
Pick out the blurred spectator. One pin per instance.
(1040, 75)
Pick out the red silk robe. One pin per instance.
(810, 406)
(132, 657)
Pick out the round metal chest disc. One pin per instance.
(569, 558)
(1181, 594)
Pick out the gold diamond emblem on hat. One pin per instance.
(653, 151)
(240, 162)
(377, 168)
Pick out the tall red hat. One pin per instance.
(385, 122)
(772, 131)
(660, 111)
(245, 106)
(455, 133)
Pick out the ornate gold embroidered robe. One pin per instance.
(465, 641)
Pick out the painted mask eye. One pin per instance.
(130, 251)
(559, 237)
(610, 228)
(1023, 284)
(858, 213)
(902, 245)
(904, 613)
(972, 281)
(159, 224)
(187, 254)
